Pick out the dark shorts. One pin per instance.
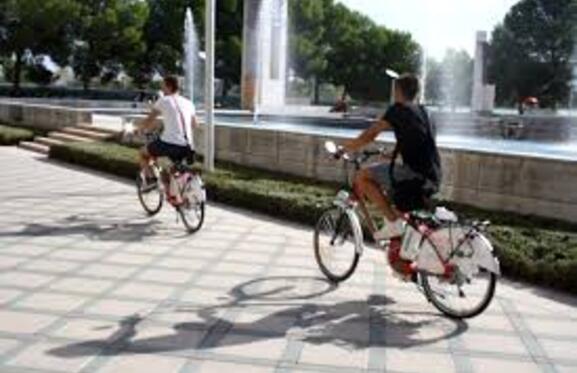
(381, 174)
(176, 153)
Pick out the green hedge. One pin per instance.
(13, 135)
(537, 250)
(292, 198)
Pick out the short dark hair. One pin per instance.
(409, 86)
(171, 82)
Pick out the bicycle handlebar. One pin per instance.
(338, 153)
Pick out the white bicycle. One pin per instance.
(452, 262)
(180, 184)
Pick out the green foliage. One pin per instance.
(360, 52)
(533, 249)
(531, 51)
(37, 73)
(289, 197)
(109, 37)
(13, 135)
(330, 43)
(35, 27)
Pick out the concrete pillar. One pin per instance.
(210, 14)
(483, 97)
(264, 58)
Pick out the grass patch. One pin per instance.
(537, 250)
(13, 135)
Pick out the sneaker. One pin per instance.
(390, 229)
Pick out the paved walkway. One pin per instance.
(87, 284)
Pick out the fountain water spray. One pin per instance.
(259, 59)
(190, 54)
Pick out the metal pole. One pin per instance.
(209, 86)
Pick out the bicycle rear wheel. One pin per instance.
(150, 195)
(461, 299)
(192, 215)
(192, 209)
(335, 247)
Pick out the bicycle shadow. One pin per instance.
(352, 325)
(103, 228)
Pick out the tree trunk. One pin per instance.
(317, 91)
(16, 74)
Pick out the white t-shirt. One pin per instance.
(177, 113)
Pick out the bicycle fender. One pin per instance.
(357, 229)
(484, 255)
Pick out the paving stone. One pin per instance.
(497, 365)
(243, 294)
(52, 302)
(143, 364)
(20, 322)
(39, 356)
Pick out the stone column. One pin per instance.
(264, 56)
(483, 94)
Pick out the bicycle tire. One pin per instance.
(454, 314)
(340, 226)
(190, 226)
(154, 208)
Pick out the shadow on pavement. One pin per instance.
(99, 229)
(349, 324)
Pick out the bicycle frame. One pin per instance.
(350, 200)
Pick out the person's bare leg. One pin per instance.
(373, 192)
(144, 161)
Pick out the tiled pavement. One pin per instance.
(88, 284)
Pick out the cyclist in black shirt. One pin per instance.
(415, 143)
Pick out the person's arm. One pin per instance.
(367, 136)
(149, 122)
(194, 122)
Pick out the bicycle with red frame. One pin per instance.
(179, 184)
(451, 261)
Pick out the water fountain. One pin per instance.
(190, 46)
(259, 35)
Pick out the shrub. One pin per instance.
(13, 135)
(291, 198)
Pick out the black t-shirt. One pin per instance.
(415, 140)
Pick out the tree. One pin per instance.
(531, 49)
(360, 52)
(109, 37)
(228, 46)
(35, 27)
(308, 43)
(164, 33)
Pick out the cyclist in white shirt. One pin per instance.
(177, 138)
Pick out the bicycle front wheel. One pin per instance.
(150, 195)
(335, 247)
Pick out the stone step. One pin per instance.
(96, 128)
(65, 137)
(90, 134)
(48, 141)
(35, 147)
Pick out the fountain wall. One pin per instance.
(520, 184)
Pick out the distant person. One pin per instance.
(179, 118)
(342, 105)
(418, 149)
